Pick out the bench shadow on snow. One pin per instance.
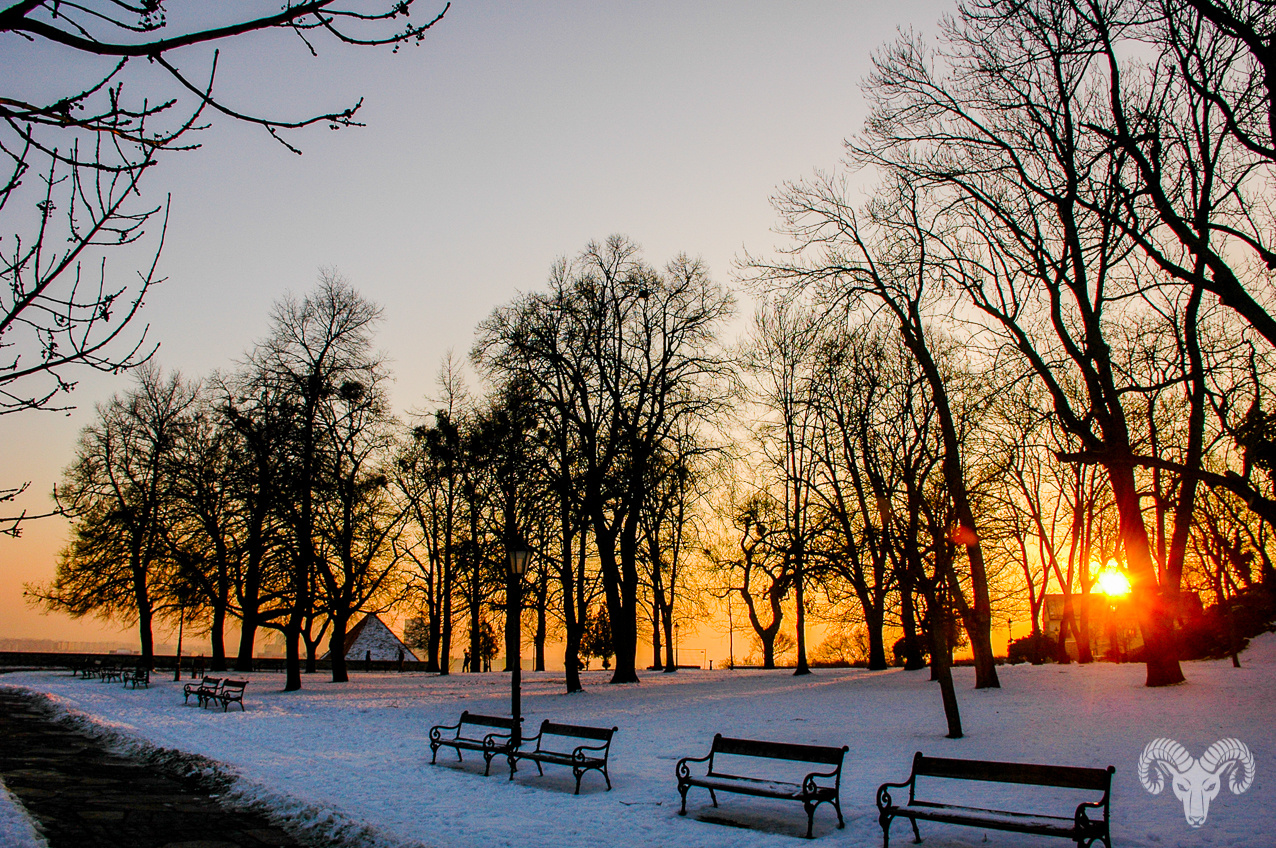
(556, 781)
(764, 816)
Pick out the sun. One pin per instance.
(1113, 583)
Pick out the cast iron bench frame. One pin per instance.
(811, 791)
(137, 677)
(1078, 827)
(581, 758)
(201, 689)
(231, 692)
(490, 744)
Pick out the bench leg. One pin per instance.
(513, 767)
(682, 790)
(434, 753)
(606, 777)
(837, 805)
(714, 797)
(917, 836)
(810, 817)
(579, 773)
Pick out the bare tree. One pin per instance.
(887, 263)
(316, 346)
(118, 492)
(635, 349)
(74, 154)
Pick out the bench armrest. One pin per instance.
(810, 784)
(436, 732)
(883, 792)
(497, 740)
(578, 753)
(1081, 819)
(681, 769)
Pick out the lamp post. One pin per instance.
(513, 610)
(730, 636)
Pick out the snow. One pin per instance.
(353, 759)
(17, 830)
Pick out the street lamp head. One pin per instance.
(518, 560)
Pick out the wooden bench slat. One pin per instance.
(779, 750)
(1064, 777)
(577, 731)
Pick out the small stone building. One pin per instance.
(371, 636)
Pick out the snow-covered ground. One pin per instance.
(354, 758)
(17, 830)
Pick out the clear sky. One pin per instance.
(515, 133)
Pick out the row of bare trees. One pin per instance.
(261, 494)
(285, 495)
(1077, 195)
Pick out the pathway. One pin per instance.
(84, 796)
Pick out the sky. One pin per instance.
(514, 134)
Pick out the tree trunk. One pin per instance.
(247, 639)
(671, 647)
(1080, 623)
(980, 627)
(337, 649)
(913, 659)
(292, 654)
(1155, 620)
(800, 623)
(942, 673)
(572, 622)
(445, 628)
(146, 637)
(218, 638)
(874, 617)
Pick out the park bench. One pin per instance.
(469, 735)
(231, 692)
(201, 689)
(1077, 826)
(812, 790)
(111, 673)
(581, 758)
(138, 677)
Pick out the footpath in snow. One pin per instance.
(354, 759)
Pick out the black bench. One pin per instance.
(469, 735)
(201, 689)
(581, 758)
(1078, 826)
(231, 692)
(138, 677)
(814, 789)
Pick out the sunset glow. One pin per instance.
(1113, 583)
